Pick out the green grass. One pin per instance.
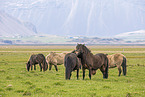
(16, 81)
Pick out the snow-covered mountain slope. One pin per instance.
(79, 17)
(132, 36)
(10, 27)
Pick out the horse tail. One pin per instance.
(46, 58)
(106, 69)
(124, 66)
(45, 65)
(68, 65)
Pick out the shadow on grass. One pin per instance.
(27, 93)
(59, 83)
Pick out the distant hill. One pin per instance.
(135, 37)
(12, 27)
(132, 36)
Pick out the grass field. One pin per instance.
(15, 81)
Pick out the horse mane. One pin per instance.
(73, 51)
(45, 65)
(84, 48)
(53, 53)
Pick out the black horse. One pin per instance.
(37, 59)
(71, 63)
(92, 62)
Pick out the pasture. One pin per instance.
(16, 81)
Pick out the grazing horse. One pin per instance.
(55, 59)
(37, 59)
(92, 62)
(71, 63)
(118, 60)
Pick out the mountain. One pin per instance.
(97, 40)
(132, 36)
(102, 18)
(12, 27)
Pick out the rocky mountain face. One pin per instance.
(101, 18)
(12, 27)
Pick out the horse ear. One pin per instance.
(78, 44)
(26, 63)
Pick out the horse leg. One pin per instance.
(34, 67)
(80, 66)
(67, 73)
(77, 73)
(31, 67)
(50, 65)
(119, 69)
(55, 65)
(40, 66)
(102, 69)
(83, 73)
(43, 65)
(70, 76)
(90, 72)
(124, 66)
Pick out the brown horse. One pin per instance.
(92, 62)
(55, 59)
(37, 59)
(118, 60)
(71, 63)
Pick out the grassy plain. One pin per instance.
(15, 81)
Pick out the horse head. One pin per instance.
(53, 53)
(93, 72)
(28, 65)
(81, 49)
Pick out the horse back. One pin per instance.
(32, 59)
(59, 59)
(35, 59)
(55, 58)
(101, 59)
(72, 61)
(118, 58)
(40, 58)
(115, 59)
